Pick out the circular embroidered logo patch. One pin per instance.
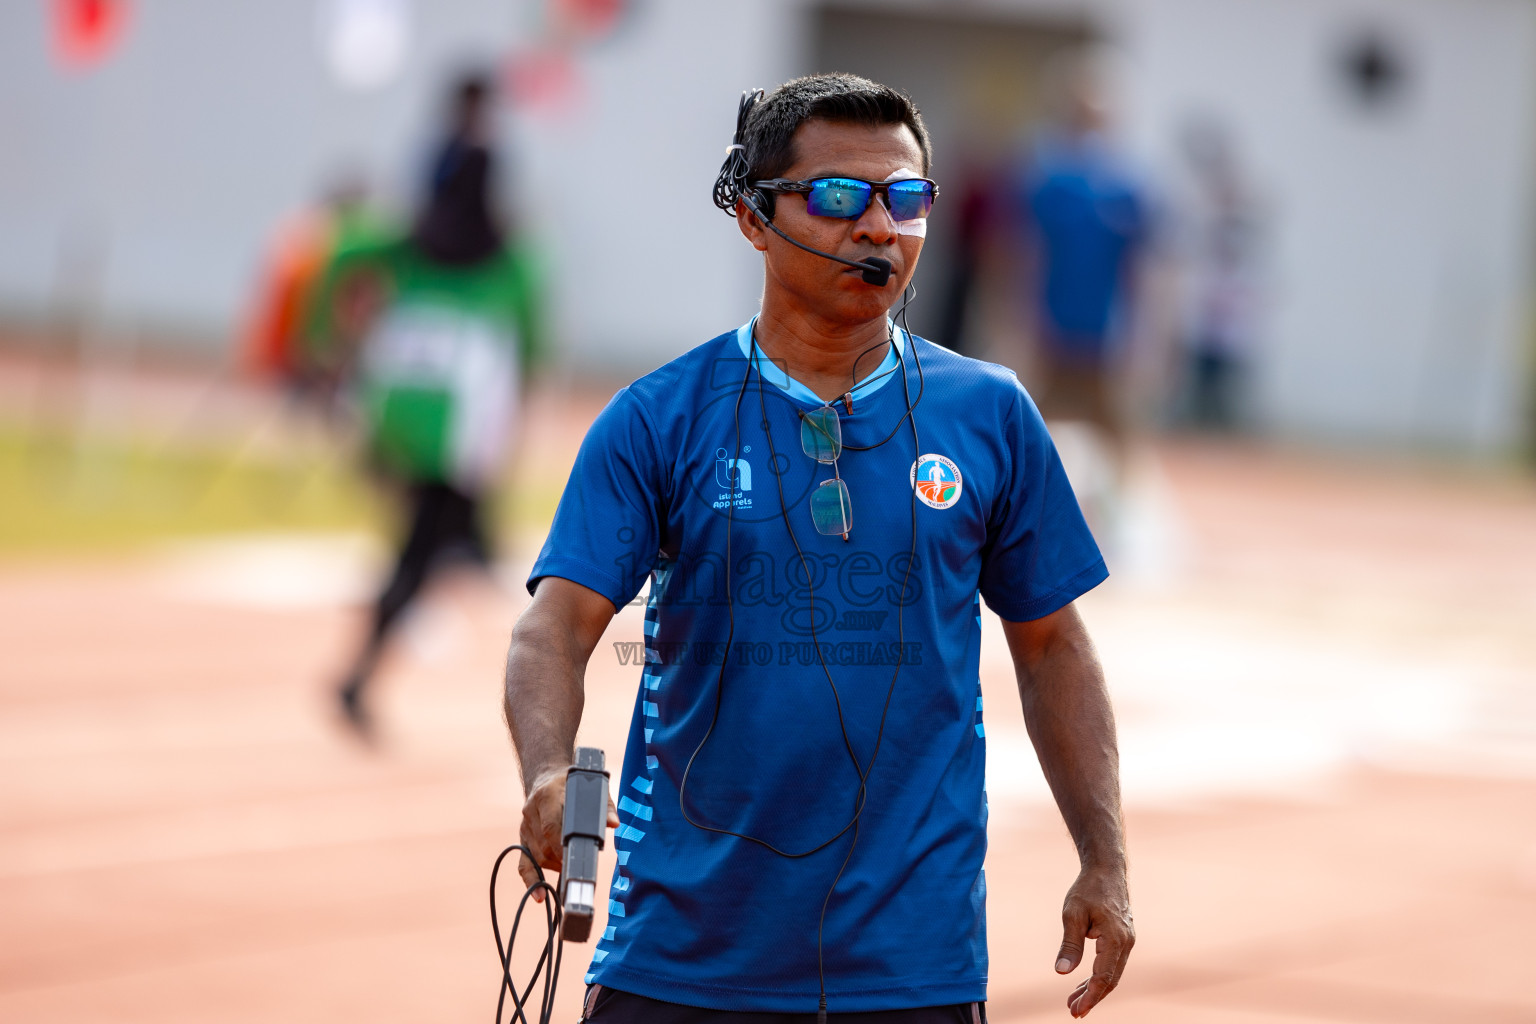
(936, 480)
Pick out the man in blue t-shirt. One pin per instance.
(820, 501)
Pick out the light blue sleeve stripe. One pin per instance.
(628, 832)
(651, 710)
(981, 730)
(615, 908)
(621, 883)
(644, 785)
(610, 933)
(624, 857)
(648, 734)
(599, 955)
(650, 759)
(652, 628)
(636, 808)
(651, 679)
(652, 656)
(978, 702)
(588, 979)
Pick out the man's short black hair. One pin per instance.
(770, 129)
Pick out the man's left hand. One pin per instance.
(1098, 907)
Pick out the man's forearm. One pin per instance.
(1068, 714)
(544, 696)
(1066, 708)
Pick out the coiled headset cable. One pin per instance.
(548, 966)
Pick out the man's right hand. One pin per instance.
(543, 823)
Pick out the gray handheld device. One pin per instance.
(584, 832)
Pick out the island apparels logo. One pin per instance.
(937, 481)
(735, 477)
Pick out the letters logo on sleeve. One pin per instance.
(937, 481)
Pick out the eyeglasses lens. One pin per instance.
(831, 508)
(838, 197)
(821, 434)
(910, 200)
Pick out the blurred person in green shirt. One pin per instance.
(434, 331)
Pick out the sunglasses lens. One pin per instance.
(821, 435)
(838, 197)
(910, 199)
(831, 508)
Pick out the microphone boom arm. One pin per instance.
(877, 271)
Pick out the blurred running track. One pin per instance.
(1328, 706)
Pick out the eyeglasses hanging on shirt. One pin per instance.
(821, 437)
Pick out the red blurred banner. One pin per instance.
(589, 18)
(85, 31)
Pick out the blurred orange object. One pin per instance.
(85, 31)
(272, 346)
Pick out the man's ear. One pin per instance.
(751, 227)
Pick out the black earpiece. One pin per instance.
(760, 203)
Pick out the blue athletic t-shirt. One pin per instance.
(711, 920)
(1089, 217)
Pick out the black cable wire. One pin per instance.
(863, 771)
(730, 188)
(859, 769)
(732, 179)
(548, 965)
(922, 383)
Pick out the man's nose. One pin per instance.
(875, 224)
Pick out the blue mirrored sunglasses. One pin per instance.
(847, 198)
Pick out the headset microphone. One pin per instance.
(877, 271)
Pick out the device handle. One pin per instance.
(584, 832)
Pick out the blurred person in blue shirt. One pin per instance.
(1084, 215)
(801, 819)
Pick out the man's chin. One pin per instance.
(873, 304)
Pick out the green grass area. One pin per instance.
(83, 493)
(64, 492)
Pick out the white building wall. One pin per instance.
(1401, 254)
(1401, 266)
(648, 266)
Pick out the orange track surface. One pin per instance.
(185, 837)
